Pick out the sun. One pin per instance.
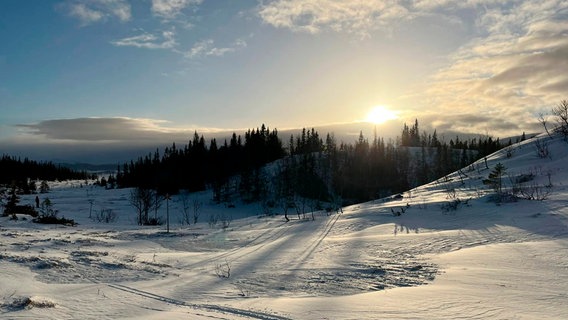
(380, 114)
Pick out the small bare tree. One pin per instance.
(560, 112)
(544, 122)
(191, 210)
(196, 210)
(186, 212)
(542, 150)
(143, 200)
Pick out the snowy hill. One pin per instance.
(454, 252)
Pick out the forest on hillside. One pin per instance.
(259, 167)
(23, 175)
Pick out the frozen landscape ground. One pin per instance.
(485, 260)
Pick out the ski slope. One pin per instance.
(483, 260)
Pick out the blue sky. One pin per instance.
(110, 71)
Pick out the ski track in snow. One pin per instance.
(209, 307)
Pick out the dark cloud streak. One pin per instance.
(103, 130)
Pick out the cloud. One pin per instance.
(511, 70)
(165, 40)
(119, 129)
(169, 9)
(358, 17)
(92, 11)
(99, 140)
(207, 48)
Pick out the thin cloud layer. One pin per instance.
(165, 40)
(169, 9)
(207, 47)
(92, 11)
(358, 17)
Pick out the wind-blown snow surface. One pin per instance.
(483, 260)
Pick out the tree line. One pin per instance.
(198, 164)
(23, 174)
(259, 168)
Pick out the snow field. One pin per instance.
(483, 260)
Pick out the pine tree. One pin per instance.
(495, 179)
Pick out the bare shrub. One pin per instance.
(244, 292)
(560, 116)
(223, 269)
(542, 118)
(196, 210)
(531, 191)
(185, 218)
(510, 152)
(20, 303)
(213, 220)
(191, 210)
(141, 200)
(536, 192)
(560, 113)
(106, 216)
(542, 150)
(226, 220)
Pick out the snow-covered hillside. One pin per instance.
(485, 259)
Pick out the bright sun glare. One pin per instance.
(380, 114)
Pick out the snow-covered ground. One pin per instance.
(483, 260)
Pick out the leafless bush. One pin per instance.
(510, 152)
(196, 210)
(300, 205)
(533, 190)
(451, 205)
(106, 216)
(213, 220)
(223, 270)
(19, 303)
(536, 192)
(455, 204)
(560, 115)
(542, 150)
(185, 218)
(191, 210)
(226, 220)
(560, 112)
(542, 118)
(244, 292)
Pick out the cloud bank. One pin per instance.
(99, 140)
(106, 130)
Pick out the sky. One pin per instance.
(96, 73)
